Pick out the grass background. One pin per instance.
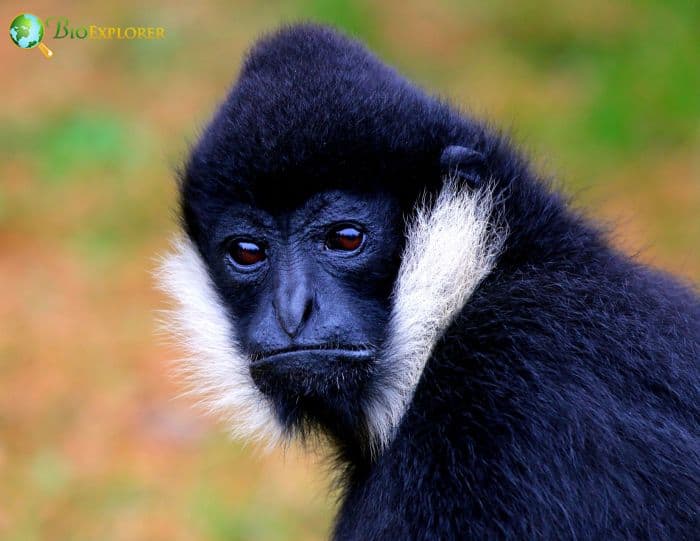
(605, 95)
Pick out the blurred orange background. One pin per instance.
(93, 442)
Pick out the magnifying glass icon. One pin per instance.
(27, 31)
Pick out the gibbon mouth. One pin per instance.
(348, 351)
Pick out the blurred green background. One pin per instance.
(605, 96)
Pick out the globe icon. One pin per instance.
(27, 31)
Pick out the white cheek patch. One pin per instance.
(215, 367)
(451, 246)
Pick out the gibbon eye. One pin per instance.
(246, 253)
(345, 238)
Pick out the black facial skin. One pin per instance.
(309, 290)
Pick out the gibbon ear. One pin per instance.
(464, 163)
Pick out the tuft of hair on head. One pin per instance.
(215, 368)
(452, 244)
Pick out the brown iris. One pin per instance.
(345, 238)
(246, 253)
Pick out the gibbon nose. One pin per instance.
(294, 301)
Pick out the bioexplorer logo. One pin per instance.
(27, 31)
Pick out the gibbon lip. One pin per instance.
(346, 350)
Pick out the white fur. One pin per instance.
(215, 368)
(451, 246)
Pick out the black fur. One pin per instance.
(564, 400)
